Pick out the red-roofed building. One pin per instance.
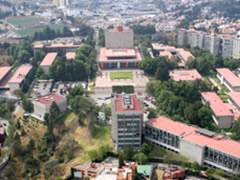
(188, 75)
(203, 146)
(119, 58)
(62, 49)
(70, 55)
(234, 99)
(229, 79)
(17, 79)
(127, 120)
(184, 55)
(48, 61)
(42, 105)
(222, 116)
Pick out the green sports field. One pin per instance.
(24, 20)
(121, 75)
(31, 31)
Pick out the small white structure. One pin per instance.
(42, 105)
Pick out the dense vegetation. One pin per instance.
(81, 68)
(139, 29)
(206, 63)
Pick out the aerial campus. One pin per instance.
(130, 90)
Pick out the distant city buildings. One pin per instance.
(127, 120)
(205, 147)
(223, 45)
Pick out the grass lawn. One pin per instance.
(24, 20)
(31, 31)
(121, 75)
(221, 85)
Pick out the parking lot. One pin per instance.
(42, 88)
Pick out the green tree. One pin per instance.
(197, 168)
(140, 158)
(128, 152)
(152, 113)
(120, 161)
(145, 148)
(107, 112)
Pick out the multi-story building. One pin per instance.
(236, 48)
(203, 146)
(226, 47)
(119, 52)
(215, 44)
(222, 116)
(17, 79)
(127, 120)
(120, 38)
(234, 99)
(48, 61)
(228, 78)
(188, 75)
(182, 37)
(43, 104)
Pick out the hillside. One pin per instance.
(73, 143)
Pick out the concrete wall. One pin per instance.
(118, 40)
(45, 69)
(193, 151)
(236, 48)
(14, 86)
(224, 122)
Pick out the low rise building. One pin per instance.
(184, 55)
(42, 105)
(203, 146)
(173, 173)
(48, 61)
(222, 116)
(17, 79)
(188, 75)
(127, 121)
(234, 99)
(228, 78)
(120, 58)
(145, 171)
(70, 55)
(127, 171)
(87, 169)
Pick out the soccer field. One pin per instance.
(121, 75)
(24, 20)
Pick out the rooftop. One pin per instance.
(216, 104)
(166, 53)
(49, 59)
(185, 75)
(169, 125)
(48, 99)
(88, 166)
(20, 73)
(161, 47)
(107, 53)
(145, 169)
(3, 71)
(70, 55)
(41, 45)
(185, 54)
(135, 104)
(229, 76)
(197, 136)
(235, 96)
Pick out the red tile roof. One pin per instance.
(124, 53)
(49, 59)
(188, 133)
(3, 71)
(20, 74)
(234, 110)
(135, 102)
(216, 104)
(48, 99)
(161, 47)
(130, 52)
(166, 53)
(185, 75)
(171, 126)
(185, 54)
(70, 55)
(229, 76)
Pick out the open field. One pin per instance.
(24, 20)
(121, 75)
(31, 31)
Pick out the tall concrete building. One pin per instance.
(236, 48)
(215, 45)
(182, 37)
(127, 120)
(226, 47)
(120, 38)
